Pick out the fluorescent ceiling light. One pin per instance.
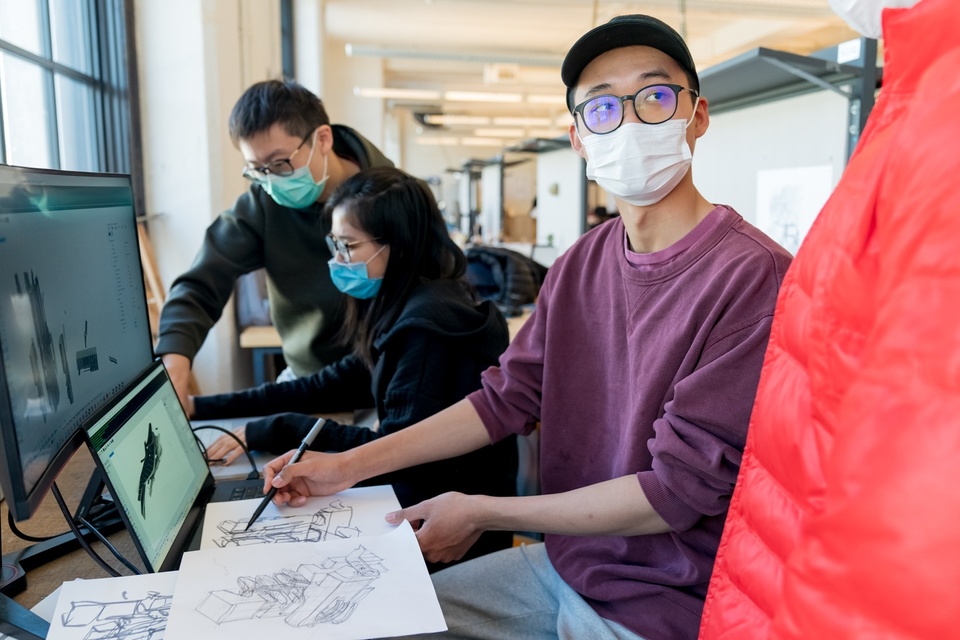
(484, 142)
(546, 133)
(456, 119)
(537, 98)
(398, 94)
(510, 121)
(498, 133)
(437, 140)
(481, 96)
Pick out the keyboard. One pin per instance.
(246, 493)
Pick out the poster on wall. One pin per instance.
(788, 201)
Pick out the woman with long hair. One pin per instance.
(420, 340)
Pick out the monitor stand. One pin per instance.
(17, 621)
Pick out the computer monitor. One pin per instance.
(74, 328)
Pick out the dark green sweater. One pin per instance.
(258, 233)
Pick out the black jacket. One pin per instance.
(288, 243)
(430, 358)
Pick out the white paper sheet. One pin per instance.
(341, 588)
(349, 514)
(788, 201)
(130, 607)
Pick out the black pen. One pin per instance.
(307, 441)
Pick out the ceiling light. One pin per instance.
(547, 133)
(484, 142)
(538, 98)
(437, 140)
(510, 121)
(397, 94)
(498, 133)
(456, 119)
(481, 96)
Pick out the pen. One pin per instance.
(307, 441)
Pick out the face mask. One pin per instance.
(352, 279)
(297, 190)
(640, 163)
(864, 15)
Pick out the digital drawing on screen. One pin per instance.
(42, 359)
(332, 521)
(312, 594)
(152, 450)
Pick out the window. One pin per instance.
(65, 95)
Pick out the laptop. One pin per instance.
(150, 461)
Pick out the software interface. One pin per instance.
(152, 462)
(73, 316)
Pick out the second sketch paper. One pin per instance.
(347, 589)
(349, 514)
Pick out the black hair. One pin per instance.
(398, 210)
(266, 103)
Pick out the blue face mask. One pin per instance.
(352, 279)
(298, 190)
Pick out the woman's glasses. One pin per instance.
(341, 248)
(653, 105)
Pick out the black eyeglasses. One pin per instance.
(281, 168)
(342, 248)
(654, 104)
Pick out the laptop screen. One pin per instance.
(153, 466)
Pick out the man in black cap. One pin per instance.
(640, 363)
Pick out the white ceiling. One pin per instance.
(516, 46)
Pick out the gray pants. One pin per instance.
(517, 594)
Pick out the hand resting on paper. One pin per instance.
(446, 526)
(315, 474)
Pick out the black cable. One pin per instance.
(26, 536)
(116, 554)
(253, 464)
(76, 531)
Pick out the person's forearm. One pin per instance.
(616, 507)
(454, 431)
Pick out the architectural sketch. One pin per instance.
(325, 593)
(148, 473)
(140, 619)
(332, 521)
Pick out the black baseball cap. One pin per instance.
(625, 31)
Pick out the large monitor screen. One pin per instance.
(74, 329)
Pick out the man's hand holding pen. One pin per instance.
(316, 474)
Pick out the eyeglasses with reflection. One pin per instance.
(280, 168)
(653, 104)
(342, 248)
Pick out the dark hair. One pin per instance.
(265, 103)
(398, 210)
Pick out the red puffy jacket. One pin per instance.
(845, 522)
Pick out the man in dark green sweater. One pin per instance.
(294, 160)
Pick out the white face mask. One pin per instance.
(863, 16)
(640, 163)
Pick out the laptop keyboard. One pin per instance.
(245, 493)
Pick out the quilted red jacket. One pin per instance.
(845, 522)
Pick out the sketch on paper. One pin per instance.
(137, 619)
(126, 608)
(334, 520)
(349, 514)
(788, 201)
(339, 588)
(325, 593)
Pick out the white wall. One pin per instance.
(804, 131)
(195, 59)
(561, 183)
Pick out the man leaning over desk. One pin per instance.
(294, 159)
